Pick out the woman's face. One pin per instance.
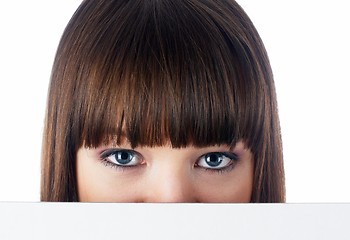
(164, 174)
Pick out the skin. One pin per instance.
(164, 174)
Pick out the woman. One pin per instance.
(161, 101)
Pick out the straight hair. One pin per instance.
(185, 72)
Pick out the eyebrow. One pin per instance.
(119, 139)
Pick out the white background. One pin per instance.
(308, 45)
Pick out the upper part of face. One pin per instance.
(165, 174)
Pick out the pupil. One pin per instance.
(124, 157)
(214, 159)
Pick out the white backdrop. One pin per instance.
(308, 45)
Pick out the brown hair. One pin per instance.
(188, 72)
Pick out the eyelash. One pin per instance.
(226, 169)
(112, 165)
(104, 155)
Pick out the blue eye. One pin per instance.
(216, 160)
(121, 157)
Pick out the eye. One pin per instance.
(121, 157)
(216, 160)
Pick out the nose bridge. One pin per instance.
(170, 181)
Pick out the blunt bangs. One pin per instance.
(164, 74)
